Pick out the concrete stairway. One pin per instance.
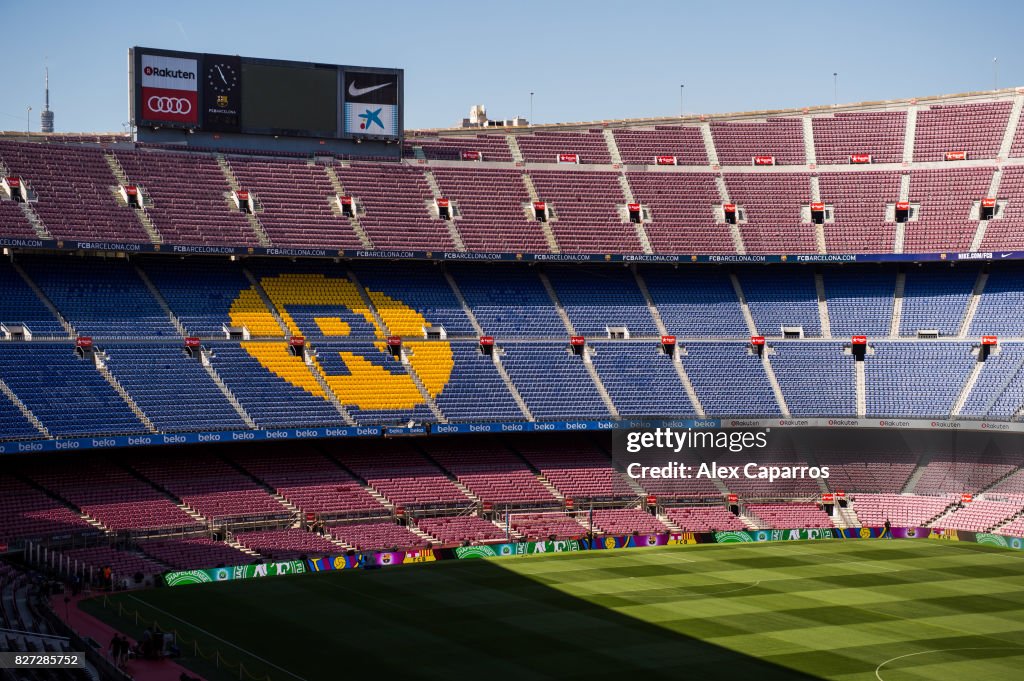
(23, 408)
(357, 227)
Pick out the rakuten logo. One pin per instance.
(167, 73)
(172, 73)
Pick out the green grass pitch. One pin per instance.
(847, 610)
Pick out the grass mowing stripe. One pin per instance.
(777, 611)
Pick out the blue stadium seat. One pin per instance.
(65, 392)
(641, 379)
(172, 389)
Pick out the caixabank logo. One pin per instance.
(331, 313)
(169, 89)
(371, 103)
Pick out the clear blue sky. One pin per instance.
(584, 60)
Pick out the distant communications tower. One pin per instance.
(46, 117)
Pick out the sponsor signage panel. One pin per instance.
(218, 93)
(371, 104)
(375, 560)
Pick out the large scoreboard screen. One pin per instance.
(232, 94)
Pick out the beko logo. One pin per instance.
(170, 73)
(170, 105)
(359, 91)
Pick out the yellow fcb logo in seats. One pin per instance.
(367, 385)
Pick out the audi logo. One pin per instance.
(169, 105)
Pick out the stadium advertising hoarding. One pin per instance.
(31, 244)
(162, 439)
(382, 559)
(225, 574)
(231, 94)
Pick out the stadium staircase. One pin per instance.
(26, 209)
(428, 400)
(191, 512)
(159, 298)
(71, 333)
(819, 228)
(1006, 521)
(230, 541)
(23, 408)
(810, 155)
(734, 229)
(254, 223)
(677, 362)
(897, 305)
(968, 386)
(848, 517)
(669, 523)
(744, 307)
(496, 352)
(908, 138)
(709, 144)
(453, 228)
(380, 498)
(37, 225)
(545, 227)
(774, 381)
(862, 390)
(541, 478)
(613, 147)
(993, 191)
(141, 214)
(588, 364)
(448, 474)
(297, 516)
(228, 395)
(311, 358)
(339, 190)
(516, 395)
(641, 231)
(972, 305)
(1011, 128)
(922, 463)
(513, 148)
(901, 227)
(826, 321)
(474, 322)
(553, 295)
(100, 361)
(266, 301)
(752, 521)
(936, 521)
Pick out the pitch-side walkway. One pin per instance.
(90, 627)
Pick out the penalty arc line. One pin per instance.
(206, 633)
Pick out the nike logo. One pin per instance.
(357, 91)
(1005, 255)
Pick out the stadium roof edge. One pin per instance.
(875, 105)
